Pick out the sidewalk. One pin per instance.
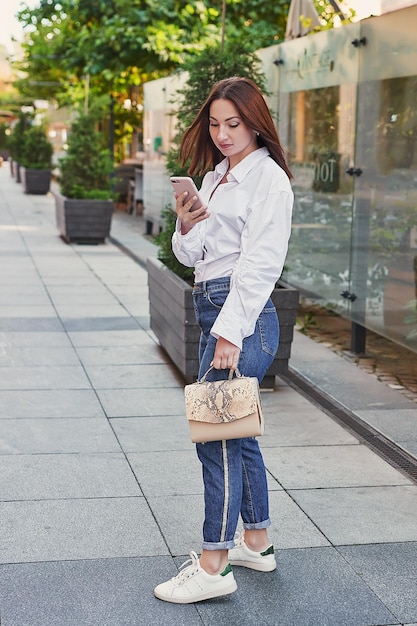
(100, 489)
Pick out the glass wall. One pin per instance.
(346, 105)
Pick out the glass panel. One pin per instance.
(320, 60)
(387, 206)
(386, 198)
(320, 139)
(390, 49)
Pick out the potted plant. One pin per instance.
(16, 143)
(4, 152)
(84, 204)
(36, 163)
(172, 316)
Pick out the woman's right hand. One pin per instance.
(187, 217)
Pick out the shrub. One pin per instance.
(37, 149)
(86, 168)
(163, 241)
(16, 139)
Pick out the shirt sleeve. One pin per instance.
(264, 246)
(187, 248)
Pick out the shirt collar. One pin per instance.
(240, 170)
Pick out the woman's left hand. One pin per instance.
(226, 355)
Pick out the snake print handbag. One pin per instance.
(224, 409)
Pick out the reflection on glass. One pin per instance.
(387, 134)
(320, 137)
(356, 234)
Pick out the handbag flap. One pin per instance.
(222, 400)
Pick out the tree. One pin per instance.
(112, 40)
(113, 46)
(210, 66)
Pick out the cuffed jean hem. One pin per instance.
(258, 525)
(221, 545)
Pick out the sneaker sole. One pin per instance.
(206, 596)
(259, 567)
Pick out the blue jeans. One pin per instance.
(233, 471)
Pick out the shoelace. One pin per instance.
(240, 539)
(187, 569)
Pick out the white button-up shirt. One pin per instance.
(245, 237)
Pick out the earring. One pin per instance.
(257, 134)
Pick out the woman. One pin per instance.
(237, 244)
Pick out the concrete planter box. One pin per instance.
(35, 181)
(173, 321)
(83, 221)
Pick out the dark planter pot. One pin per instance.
(17, 174)
(172, 319)
(35, 181)
(83, 221)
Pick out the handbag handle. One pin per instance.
(231, 373)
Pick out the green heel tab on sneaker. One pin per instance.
(227, 570)
(269, 550)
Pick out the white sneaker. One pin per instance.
(193, 584)
(243, 556)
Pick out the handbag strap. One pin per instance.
(231, 373)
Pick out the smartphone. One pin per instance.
(185, 183)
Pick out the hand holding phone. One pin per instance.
(185, 183)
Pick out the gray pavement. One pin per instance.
(100, 489)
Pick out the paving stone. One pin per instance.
(41, 477)
(59, 530)
(27, 311)
(49, 403)
(138, 402)
(134, 376)
(32, 339)
(121, 355)
(167, 473)
(99, 323)
(290, 526)
(153, 434)
(27, 356)
(318, 467)
(107, 338)
(352, 394)
(181, 521)
(58, 377)
(390, 570)
(30, 324)
(33, 295)
(108, 592)
(362, 515)
(86, 311)
(54, 436)
(303, 426)
(396, 424)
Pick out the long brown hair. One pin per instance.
(196, 143)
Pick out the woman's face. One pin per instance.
(229, 133)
